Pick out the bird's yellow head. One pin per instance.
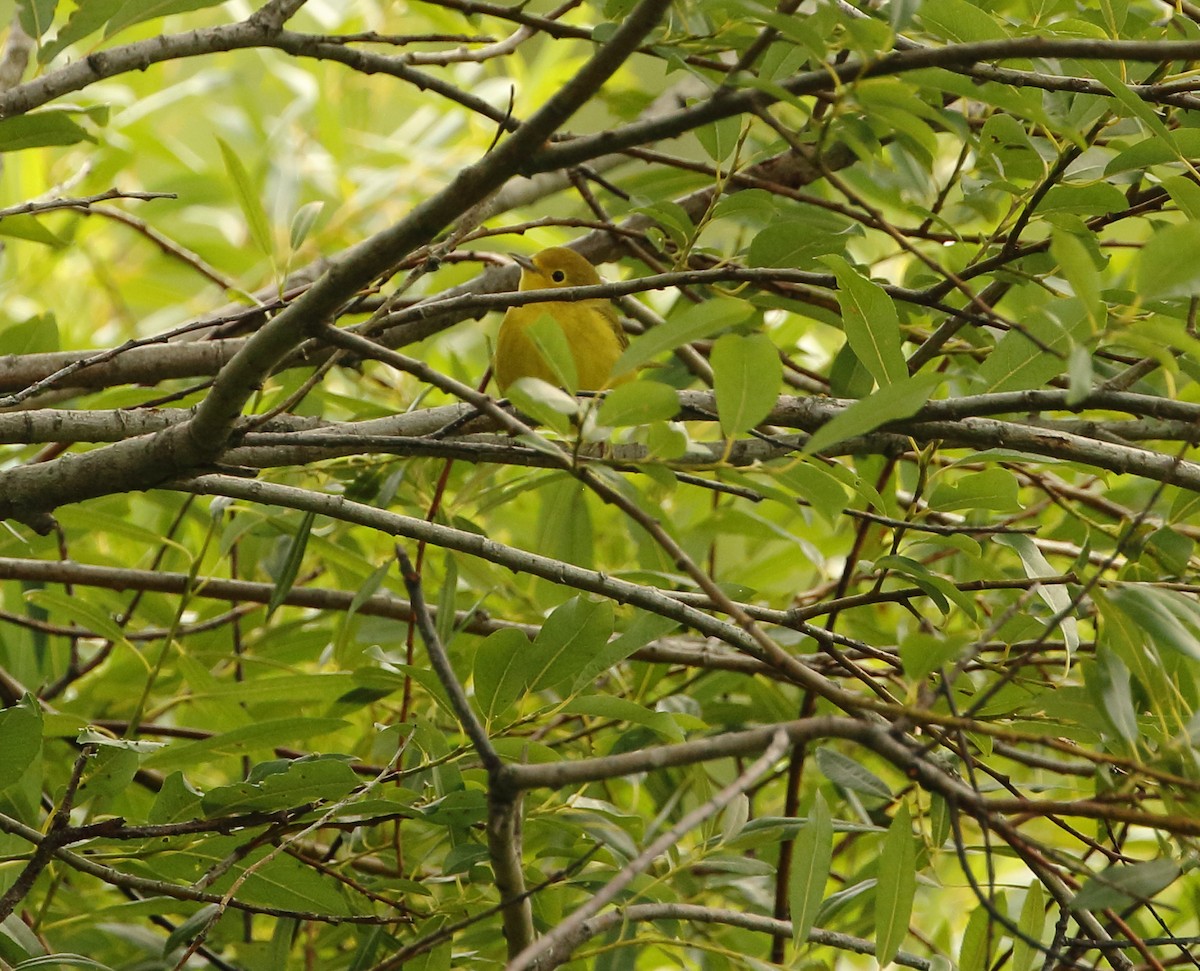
(556, 267)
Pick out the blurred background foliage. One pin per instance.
(1054, 223)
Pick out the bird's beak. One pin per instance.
(524, 262)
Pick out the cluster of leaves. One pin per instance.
(862, 621)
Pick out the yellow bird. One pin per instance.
(590, 326)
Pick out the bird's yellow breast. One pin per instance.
(590, 327)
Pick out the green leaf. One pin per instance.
(747, 375)
(499, 675)
(720, 138)
(896, 888)
(1161, 274)
(638, 403)
(1123, 885)
(939, 589)
(60, 960)
(693, 323)
(923, 652)
(136, 11)
(109, 773)
(262, 735)
(797, 242)
(564, 524)
(1159, 614)
(1108, 680)
(65, 608)
(569, 638)
(671, 217)
(666, 440)
(24, 226)
(88, 17)
(36, 16)
(547, 336)
(291, 563)
(35, 335)
(1056, 596)
(300, 781)
(892, 403)
(1076, 263)
(959, 21)
(303, 222)
(974, 954)
(288, 883)
(871, 323)
(1134, 105)
(1032, 924)
(1183, 191)
(546, 404)
(812, 854)
(848, 378)
(812, 480)
(39, 129)
(646, 627)
(994, 489)
(623, 710)
(1018, 363)
(850, 774)
(1156, 150)
(21, 729)
(247, 194)
(175, 801)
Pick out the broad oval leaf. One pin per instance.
(747, 375)
(871, 323)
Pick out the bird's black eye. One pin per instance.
(558, 276)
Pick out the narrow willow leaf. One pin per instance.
(260, 736)
(720, 138)
(747, 375)
(23, 226)
(974, 953)
(896, 888)
(646, 627)
(958, 20)
(1031, 924)
(248, 199)
(1108, 680)
(291, 564)
(447, 598)
(812, 854)
(1122, 885)
(1155, 612)
(851, 775)
(303, 222)
(1056, 596)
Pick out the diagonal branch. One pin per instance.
(30, 493)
